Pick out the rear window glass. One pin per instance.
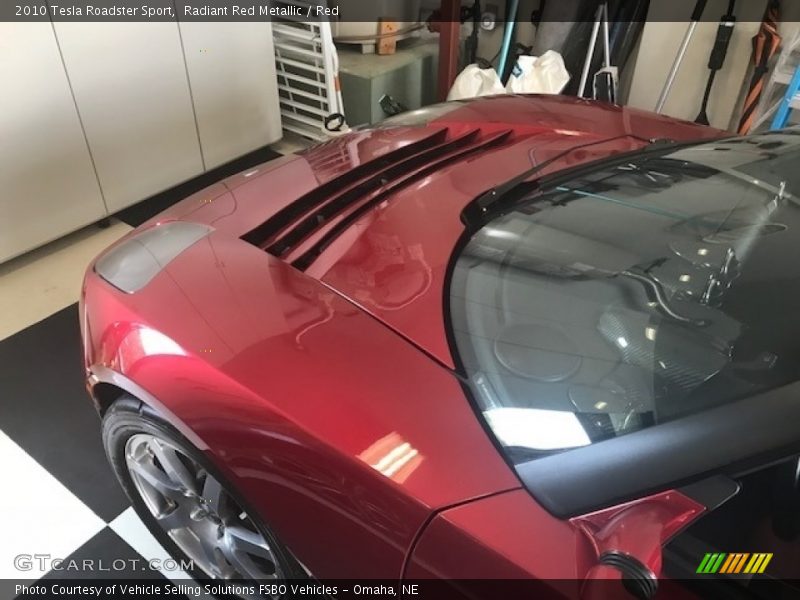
(633, 295)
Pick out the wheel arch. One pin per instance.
(104, 395)
(107, 385)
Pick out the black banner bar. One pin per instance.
(421, 589)
(300, 10)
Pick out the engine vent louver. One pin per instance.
(328, 210)
(261, 235)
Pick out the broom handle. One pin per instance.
(676, 65)
(606, 36)
(590, 52)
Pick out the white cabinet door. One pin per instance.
(232, 75)
(131, 88)
(47, 184)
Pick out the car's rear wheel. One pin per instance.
(186, 503)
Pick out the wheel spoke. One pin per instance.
(157, 479)
(178, 518)
(243, 563)
(209, 549)
(173, 466)
(197, 512)
(213, 494)
(244, 540)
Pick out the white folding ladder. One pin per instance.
(307, 69)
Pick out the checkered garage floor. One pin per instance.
(59, 497)
(59, 494)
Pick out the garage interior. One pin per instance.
(105, 124)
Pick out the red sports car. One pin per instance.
(517, 338)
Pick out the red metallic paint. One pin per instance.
(639, 528)
(296, 393)
(300, 389)
(509, 536)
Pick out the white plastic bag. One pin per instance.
(545, 74)
(474, 81)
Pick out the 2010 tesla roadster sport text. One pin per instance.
(530, 338)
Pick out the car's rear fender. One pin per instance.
(336, 429)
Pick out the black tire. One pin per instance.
(129, 416)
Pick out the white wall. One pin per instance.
(130, 85)
(97, 116)
(231, 69)
(46, 176)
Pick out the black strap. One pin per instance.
(697, 13)
(334, 121)
(717, 57)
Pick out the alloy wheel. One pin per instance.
(196, 512)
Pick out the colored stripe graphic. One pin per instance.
(734, 563)
(732, 558)
(703, 564)
(717, 563)
(741, 562)
(711, 563)
(758, 563)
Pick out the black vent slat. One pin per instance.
(389, 177)
(455, 154)
(284, 217)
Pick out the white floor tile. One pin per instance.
(42, 516)
(130, 528)
(37, 284)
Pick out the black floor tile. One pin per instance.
(150, 207)
(44, 408)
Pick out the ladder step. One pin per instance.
(290, 114)
(299, 64)
(316, 110)
(304, 80)
(309, 132)
(295, 33)
(298, 92)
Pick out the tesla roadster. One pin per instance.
(517, 338)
